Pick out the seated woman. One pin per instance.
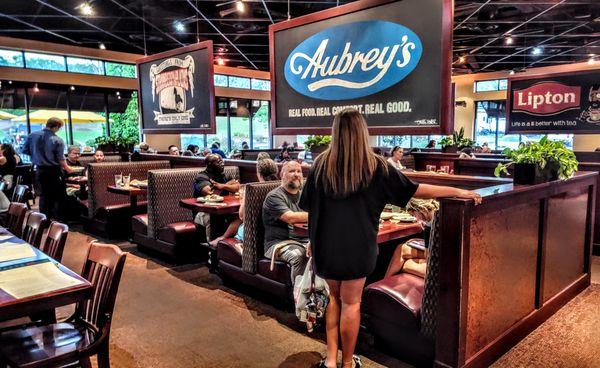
(411, 258)
(266, 170)
(8, 164)
(466, 152)
(396, 154)
(284, 155)
(98, 156)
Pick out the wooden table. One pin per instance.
(11, 308)
(132, 192)
(231, 205)
(388, 231)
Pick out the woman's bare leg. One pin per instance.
(332, 323)
(350, 294)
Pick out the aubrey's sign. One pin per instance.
(177, 90)
(388, 59)
(353, 60)
(561, 103)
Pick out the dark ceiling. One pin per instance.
(543, 32)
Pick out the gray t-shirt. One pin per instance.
(278, 202)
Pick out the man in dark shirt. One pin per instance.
(46, 150)
(280, 213)
(216, 149)
(73, 155)
(213, 181)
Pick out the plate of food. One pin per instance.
(404, 217)
(210, 198)
(139, 183)
(386, 215)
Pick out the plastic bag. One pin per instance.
(311, 295)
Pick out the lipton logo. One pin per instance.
(353, 60)
(547, 98)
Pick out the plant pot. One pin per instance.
(528, 174)
(450, 149)
(107, 147)
(317, 150)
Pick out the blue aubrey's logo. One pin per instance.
(353, 60)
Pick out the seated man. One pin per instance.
(173, 150)
(73, 154)
(280, 212)
(212, 181)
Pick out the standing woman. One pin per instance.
(344, 195)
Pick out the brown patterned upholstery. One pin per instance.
(408, 161)
(165, 189)
(103, 174)
(432, 283)
(253, 248)
(231, 172)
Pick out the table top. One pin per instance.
(11, 307)
(388, 231)
(129, 191)
(231, 204)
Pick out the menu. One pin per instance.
(10, 251)
(26, 281)
(4, 237)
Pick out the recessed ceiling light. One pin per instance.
(102, 46)
(220, 61)
(591, 61)
(509, 40)
(118, 93)
(86, 9)
(536, 50)
(462, 59)
(35, 88)
(179, 27)
(240, 6)
(512, 72)
(9, 82)
(72, 88)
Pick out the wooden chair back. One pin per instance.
(33, 228)
(16, 215)
(54, 240)
(21, 194)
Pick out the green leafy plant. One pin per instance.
(542, 153)
(457, 139)
(317, 141)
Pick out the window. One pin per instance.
(220, 80)
(420, 141)
(120, 70)
(123, 115)
(567, 139)
(222, 129)
(47, 102)
(197, 139)
(260, 125)
(11, 58)
(301, 139)
(261, 84)
(491, 85)
(239, 82)
(88, 116)
(87, 66)
(45, 61)
(239, 122)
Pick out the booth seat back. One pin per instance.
(165, 189)
(429, 306)
(254, 232)
(232, 172)
(408, 161)
(89, 159)
(103, 174)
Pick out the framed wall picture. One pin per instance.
(391, 60)
(177, 93)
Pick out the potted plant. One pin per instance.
(455, 142)
(317, 144)
(539, 162)
(114, 144)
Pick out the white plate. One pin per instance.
(386, 215)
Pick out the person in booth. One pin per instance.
(396, 154)
(344, 203)
(431, 144)
(98, 156)
(216, 149)
(73, 155)
(173, 150)
(284, 155)
(279, 213)
(212, 181)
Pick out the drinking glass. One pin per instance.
(445, 169)
(126, 180)
(118, 179)
(430, 167)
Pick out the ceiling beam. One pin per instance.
(268, 12)
(40, 29)
(595, 43)
(89, 24)
(222, 35)
(472, 14)
(56, 16)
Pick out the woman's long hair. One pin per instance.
(349, 164)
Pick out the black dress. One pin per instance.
(343, 231)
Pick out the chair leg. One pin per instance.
(104, 356)
(85, 362)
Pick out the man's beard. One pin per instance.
(294, 184)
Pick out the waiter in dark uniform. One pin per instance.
(46, 150)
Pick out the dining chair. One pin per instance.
(33, 228)
(15, 217)
(21, 194)
(54, 240)
(84, 334)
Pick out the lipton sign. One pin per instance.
(560, 103)
(388, 59)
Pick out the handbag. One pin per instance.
(311, 296)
